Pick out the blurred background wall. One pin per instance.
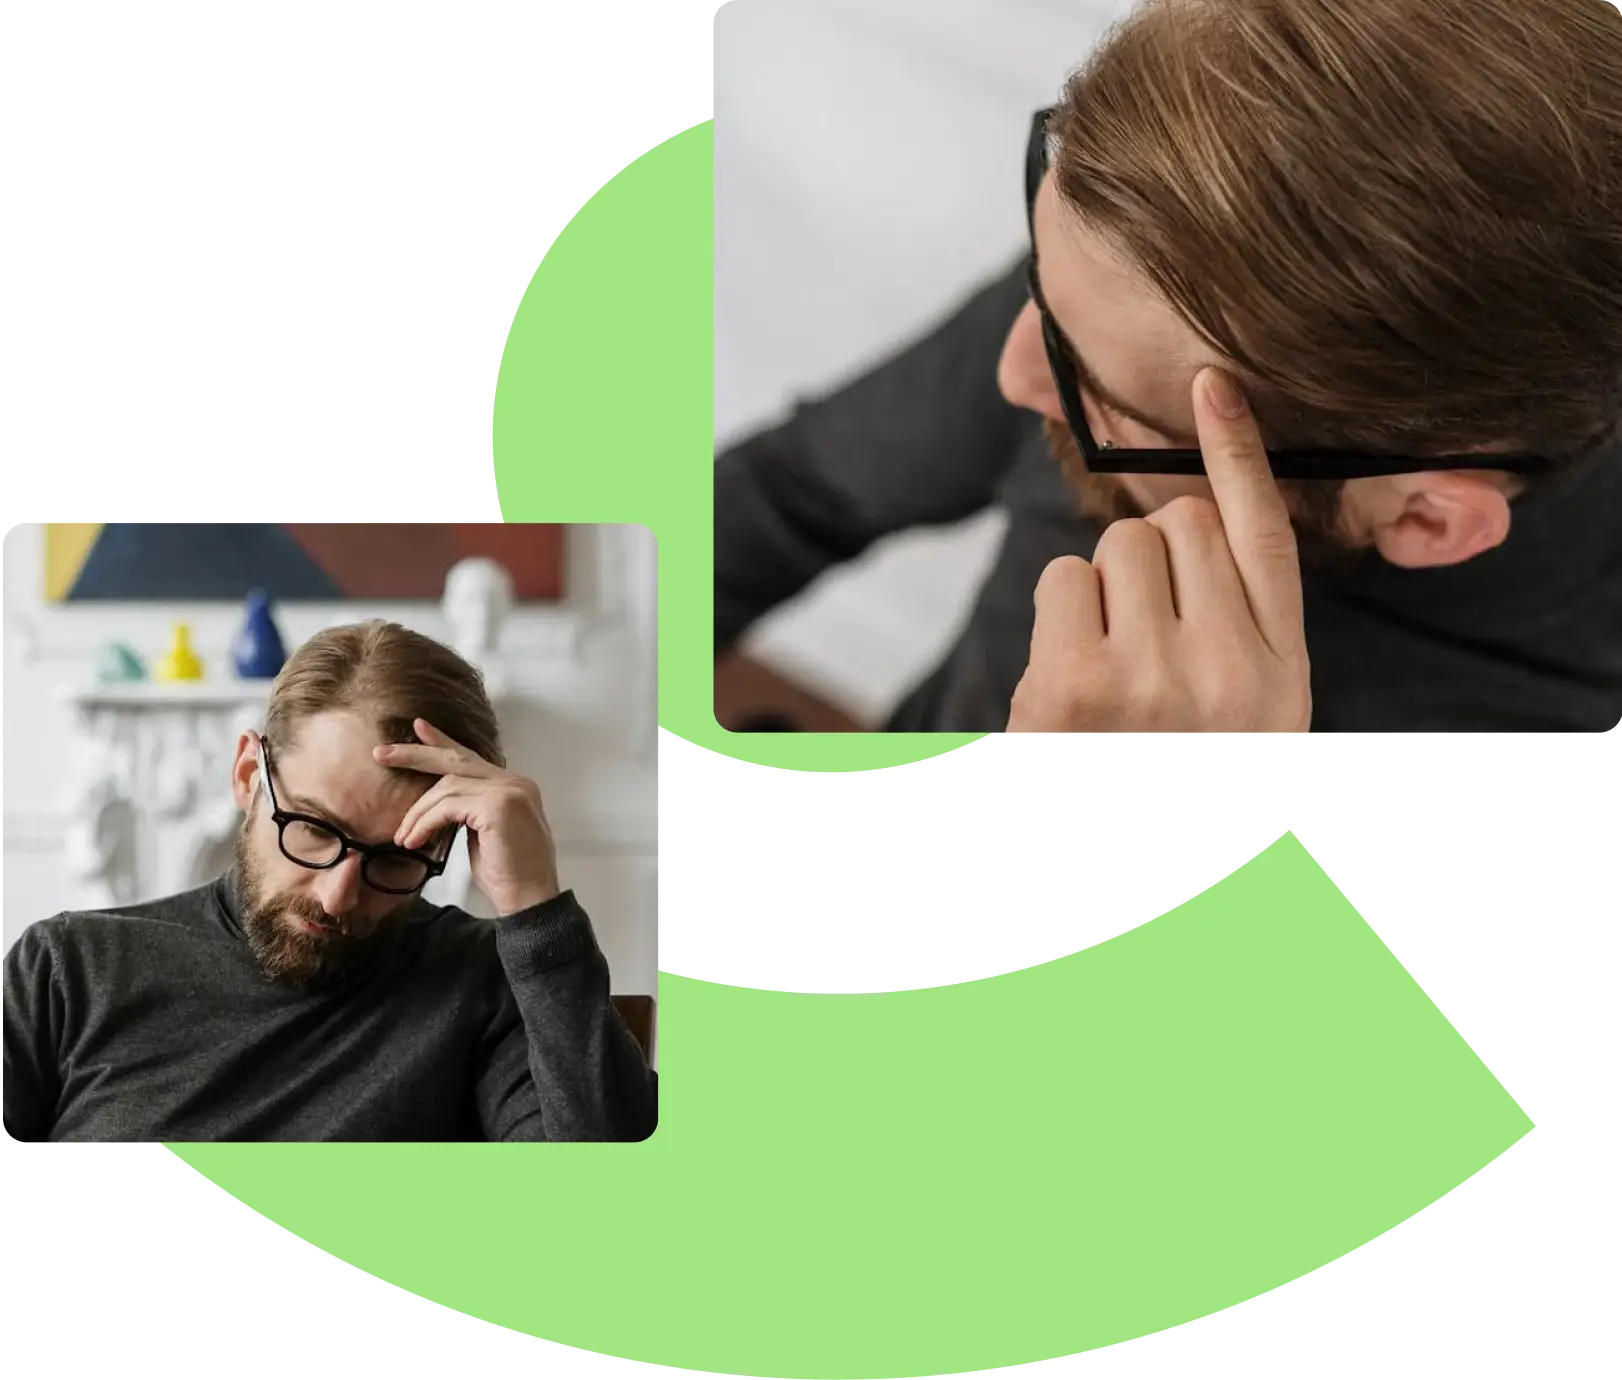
(869, 173)
(579, 717)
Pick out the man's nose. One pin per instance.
(1023, 374)
(339, 888)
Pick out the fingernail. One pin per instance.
(1225, 395)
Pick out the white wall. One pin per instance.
(869, 172)
(580, 718)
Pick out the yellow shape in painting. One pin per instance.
(67, 544)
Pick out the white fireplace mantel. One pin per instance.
(150, 808)
(145, 695)
(119, 793)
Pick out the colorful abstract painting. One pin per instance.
(309, 561)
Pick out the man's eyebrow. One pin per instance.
(1089, 381)
(302, 805)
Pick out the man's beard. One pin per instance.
(1315, 507)
(285, 952)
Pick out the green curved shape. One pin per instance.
(920, 1182)
(604, 412)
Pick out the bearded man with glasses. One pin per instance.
(311, 993)
(1321, 320)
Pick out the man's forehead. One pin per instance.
(329, 764)
(313, 773)
(332, 732)
(1122, 331)
(366, 814)
(1060, 230)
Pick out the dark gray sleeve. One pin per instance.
(560, 1063)
(33, 1027)
(922, 439)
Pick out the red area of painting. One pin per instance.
(380, 560)
(532, 553)
(409, 560)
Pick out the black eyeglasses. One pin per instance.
(315, 843)
(1285, 464)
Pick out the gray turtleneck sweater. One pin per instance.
(155, 1022)
(1526, 636)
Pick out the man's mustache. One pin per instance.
(303, 908)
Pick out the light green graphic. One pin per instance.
(604, 413)
(962, 1177)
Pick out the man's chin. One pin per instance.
(301, 951)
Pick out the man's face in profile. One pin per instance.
(307, 926)
(1136, 360)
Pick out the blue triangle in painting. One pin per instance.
(199, 560)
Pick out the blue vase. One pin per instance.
(257, 653)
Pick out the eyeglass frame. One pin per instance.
(282, 818)
(1285, 463)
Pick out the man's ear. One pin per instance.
(245, 771)
(1441, 518)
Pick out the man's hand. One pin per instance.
(509, 842)
(1188, 619)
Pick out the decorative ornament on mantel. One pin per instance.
(119, 664)
(258, 653)
(478, 600)
(180, 662)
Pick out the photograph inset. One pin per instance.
(330, 832)
(1168, 366)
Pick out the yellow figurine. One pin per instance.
(180, 662)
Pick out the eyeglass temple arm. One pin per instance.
(264, 771)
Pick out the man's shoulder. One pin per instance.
(446, 948)
(449, 932)
(187, 910)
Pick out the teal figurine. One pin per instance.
(257, 653)
(119, 664)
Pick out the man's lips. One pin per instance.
(315, 927)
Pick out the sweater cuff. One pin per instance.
(550, 935)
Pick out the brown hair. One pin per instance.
(1402, 219)
(391, 673)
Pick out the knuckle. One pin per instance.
(1128, 530)
(1063, 570)
(1274, 541)
(1189, 522)
(1124, 535)
(1189, 513)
